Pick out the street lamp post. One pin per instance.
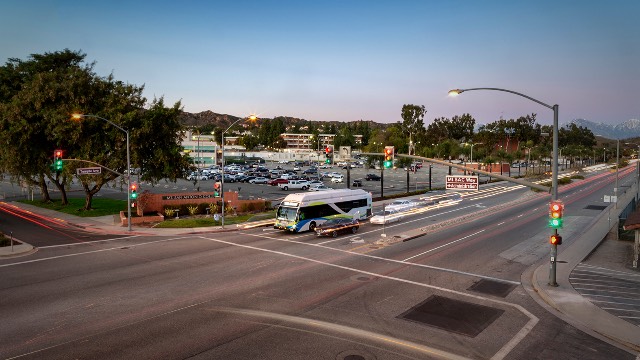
(80, 116)
(250, 117)
(615, 189)
(471, 157)
(554, 176)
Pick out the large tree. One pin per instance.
(39, 97)
(33, 94)
(413, 121)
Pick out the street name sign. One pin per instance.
(89, 171)
(461, 182)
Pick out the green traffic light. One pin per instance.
(134, 195)
(58, 165)
(328, 161)
(387, 164)
(555, 223)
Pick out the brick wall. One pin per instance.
(157, 202)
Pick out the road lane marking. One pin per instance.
(91, 252)
(441, 246)
(389, 260)
(88, 242)
(504, 350)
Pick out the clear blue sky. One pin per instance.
(352, 59)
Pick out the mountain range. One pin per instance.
(625, 130)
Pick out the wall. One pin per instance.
(157, 202)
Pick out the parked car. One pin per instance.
(196, 176)
(295, 184)
(386, 216)
(370, 177)
(275, 182)
(258, 180)
(310, 171)
(296, 168)
(357, 183)
(338, 225)
(337, 179)
(315, 183)
(334, 174)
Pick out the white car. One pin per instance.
(296, 168)
(337, 179)
(386, 217)
(258, 180)
(313, 183)
(400, 205)
(334, 174)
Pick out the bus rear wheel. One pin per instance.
(312, 226)
(334, 234)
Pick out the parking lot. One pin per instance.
(395, 181)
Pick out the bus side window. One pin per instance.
(301, 216)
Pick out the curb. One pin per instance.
(19, 249)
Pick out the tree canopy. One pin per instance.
(37, 99)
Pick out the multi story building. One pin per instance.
(306, 141)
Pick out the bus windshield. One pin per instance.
(287, 213)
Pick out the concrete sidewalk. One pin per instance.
(570, 305)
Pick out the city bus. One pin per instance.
(304, 211)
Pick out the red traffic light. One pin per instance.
(134, 187)
(388, 151)
(556, 210)
(57, 154)
(555, 239)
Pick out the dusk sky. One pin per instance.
(349, 60)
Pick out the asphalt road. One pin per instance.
(262, 294)
(42, 231)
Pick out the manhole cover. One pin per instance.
(355, 355)
(490, 287)
(456, 316)
(596, 207)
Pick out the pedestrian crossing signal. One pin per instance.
(555, 239)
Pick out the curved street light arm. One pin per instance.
(458, 91)
(76, 116)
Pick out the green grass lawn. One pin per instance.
(209, 221)
(101, 206)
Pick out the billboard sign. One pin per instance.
(461, 182)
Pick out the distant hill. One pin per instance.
(224, 120)
(625, 130)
